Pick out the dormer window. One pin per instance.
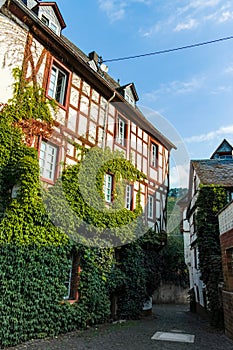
(45, 20)
(50, 15)
(129, 93)
(129, 99)
(49, 23)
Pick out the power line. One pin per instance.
(168, 50)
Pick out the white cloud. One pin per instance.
(191, 15)
(199, 5)
(187, 25)
(222, 131)
(222, 89)
(225, 16)
(116, 9)
(229, 70)
(179, 176)
(175, 88)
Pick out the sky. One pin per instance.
(186, 94)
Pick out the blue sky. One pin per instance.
(189, 93)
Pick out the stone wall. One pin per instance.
(170, 294)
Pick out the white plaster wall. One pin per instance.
(12, 44)
(225, 219)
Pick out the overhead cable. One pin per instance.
(168, 50)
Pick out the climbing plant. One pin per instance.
(211, 199)
(36, 242)
(80, 193)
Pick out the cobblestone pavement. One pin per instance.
(136, 335)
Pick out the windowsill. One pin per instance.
(70, 301)
(119, 144)
(154, 167)
(50, 182)
(64, 107)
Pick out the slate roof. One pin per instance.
(214, 171)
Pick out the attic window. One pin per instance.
(45, 20)
(49, 24)
(129, 99)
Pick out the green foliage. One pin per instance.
(36, 243)
(170, 263)
(211, 200)
(28, 102)
(79, 193)
(131, 289)
(173, 267)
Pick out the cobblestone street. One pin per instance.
(136, 335)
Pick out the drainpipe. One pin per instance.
(105, 118)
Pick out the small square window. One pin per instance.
(129, 99)
(45, 20)
(108, 183)
(58, 85)
(150, 207)
(154, 155)
(53, 27)
(48, 160)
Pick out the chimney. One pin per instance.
(94, 56)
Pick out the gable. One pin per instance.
(224, 150)
(49, 14)
(128, 91)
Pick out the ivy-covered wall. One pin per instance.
(35, 248)
(211, 199)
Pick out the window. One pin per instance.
(45, 20)
(150, 207)
(230, 196)
(48, 23)
(121, 131)
(72, 281)
(68, 282)
(48, 160)
(154, 154)
(53, 27)
(129, 99)
(108, 182)
(58, 85)
(128, 197)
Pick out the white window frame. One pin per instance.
(150, 207)
(121, 131)
(68, 283)
(55, 74)
(48, 160)
(53, 27)
(129, 99)
(45, 20)
(108, 183)
(49, 23)
(154, 155)
(128, 196)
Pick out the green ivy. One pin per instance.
(211, 199)
(36, 243)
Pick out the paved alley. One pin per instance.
(136, 335)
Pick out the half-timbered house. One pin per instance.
(94, 110)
